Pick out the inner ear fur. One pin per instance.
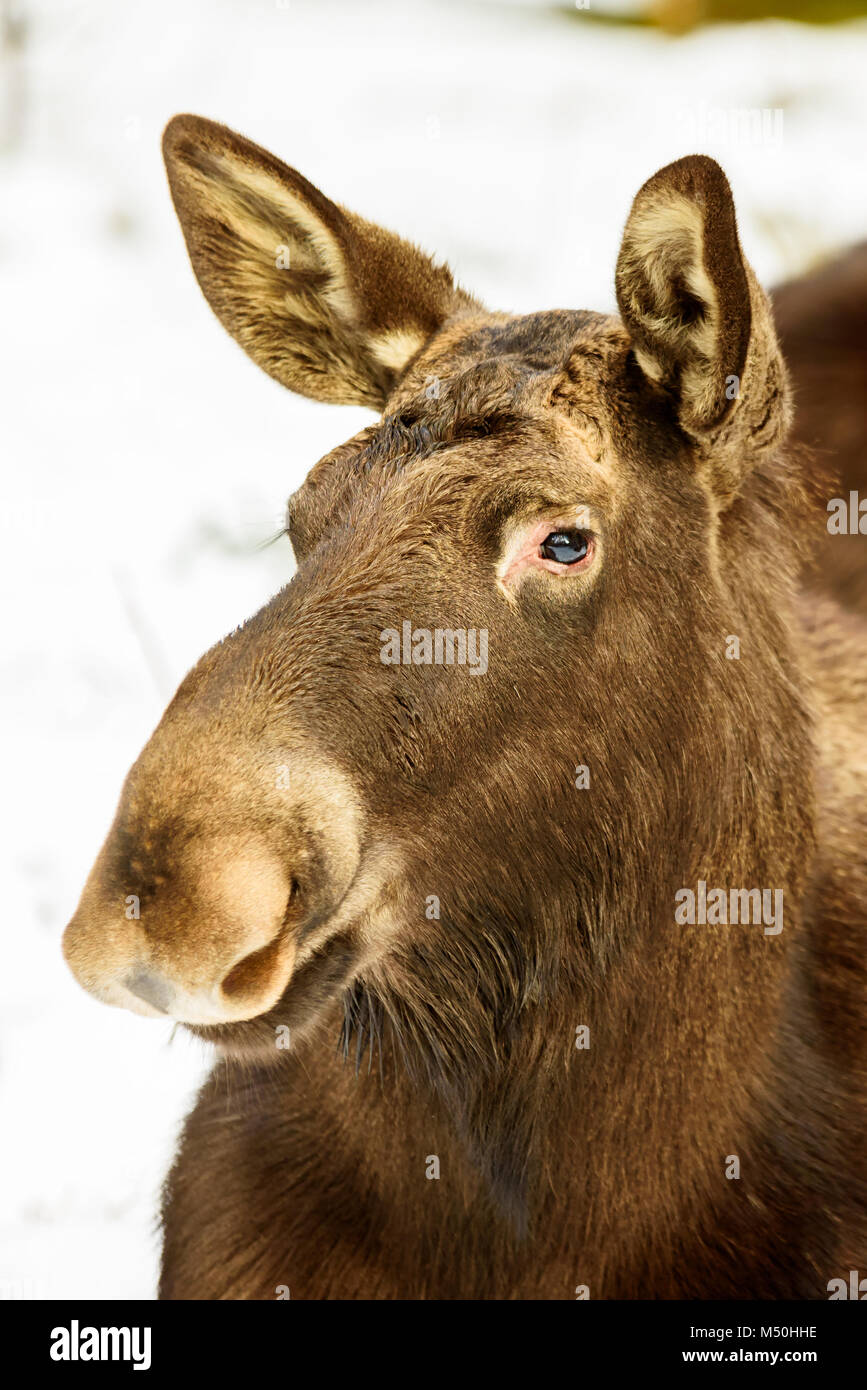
(700, 324)
(331, 305)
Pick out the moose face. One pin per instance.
(458, 737)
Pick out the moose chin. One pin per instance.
(464, 1047)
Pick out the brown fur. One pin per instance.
(822, 321)
(559, 1167)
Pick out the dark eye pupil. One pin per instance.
(566, 547)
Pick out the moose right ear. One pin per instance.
(330, 305)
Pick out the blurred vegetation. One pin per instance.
(681, 16)
(13, 34)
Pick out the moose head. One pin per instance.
(454, 773)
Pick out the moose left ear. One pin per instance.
(700, 324)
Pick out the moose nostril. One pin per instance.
(256, 974)
(152, 988)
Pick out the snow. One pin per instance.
(144, 459)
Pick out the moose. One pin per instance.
(426, 915)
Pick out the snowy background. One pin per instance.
(144, 459)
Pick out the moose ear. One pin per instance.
(700, 324)
(328, 304)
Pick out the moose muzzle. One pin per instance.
(215, 871)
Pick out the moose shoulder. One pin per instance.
(514, 1067)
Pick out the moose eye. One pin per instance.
(565, 547)
(564, 552)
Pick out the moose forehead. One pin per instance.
(537, 342)
(514, 381)
(508, 367)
